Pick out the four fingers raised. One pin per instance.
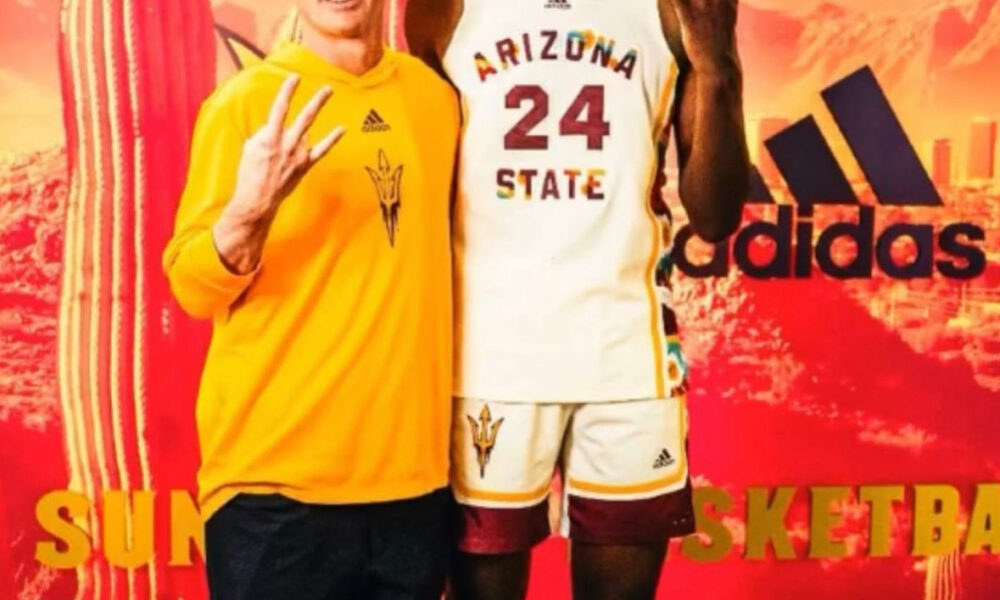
(308, 114)
(294, 135)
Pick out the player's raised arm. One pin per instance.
(711, 140)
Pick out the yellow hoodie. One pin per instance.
(328, 378)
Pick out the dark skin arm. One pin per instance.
(429, 25)
(708, 120)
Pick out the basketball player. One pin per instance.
(324, 263)
(568, 352)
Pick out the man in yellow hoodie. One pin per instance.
(313, 230)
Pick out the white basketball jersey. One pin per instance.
(560, 238)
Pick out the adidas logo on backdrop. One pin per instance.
(888, 160)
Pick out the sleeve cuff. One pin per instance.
(211, 270)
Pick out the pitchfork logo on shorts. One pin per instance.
(387, 183)
(484, 436)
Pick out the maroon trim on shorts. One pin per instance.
(502, 530)
(628, 522)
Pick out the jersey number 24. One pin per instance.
(585, 116)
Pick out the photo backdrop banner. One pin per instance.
(845, 343)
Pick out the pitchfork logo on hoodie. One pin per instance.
(387, 181)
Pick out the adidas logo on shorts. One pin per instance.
(374, 123)
(663, 460)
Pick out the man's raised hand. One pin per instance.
(276, 157)
(274, 160)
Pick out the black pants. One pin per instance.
(268, 547)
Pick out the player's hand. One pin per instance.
(708, 32)
(276, 157)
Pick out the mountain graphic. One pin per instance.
(938, 57)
